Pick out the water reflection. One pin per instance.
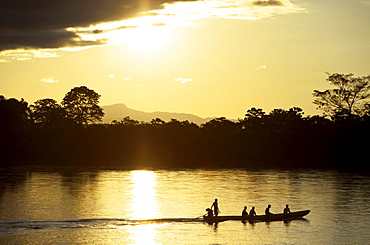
(144, 206)
(143, 234)
(48, 207)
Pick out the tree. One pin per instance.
(285, 118)
(221, 125)
(127, 121)
(14, 114)
(14, 125)
(254, 113)
(81, 105)
(253, 118)
(48, 112)
(348, 99)
(157, 122)
(291, 114)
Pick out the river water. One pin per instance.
(161, 207)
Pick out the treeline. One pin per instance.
(278, 139)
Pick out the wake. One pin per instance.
(11, 226)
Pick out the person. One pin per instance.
(267, 210)
(287, 209)
(216, 210)
(209, 212)
(252, 212)
(244, 212)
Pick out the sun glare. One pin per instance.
(144, 234)
(153, 30)
(144, 205)
(148, 38)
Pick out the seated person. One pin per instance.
(244, 212)
(267, 210)
(209, 212)
(252, 212)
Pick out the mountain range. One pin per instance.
(119, 111)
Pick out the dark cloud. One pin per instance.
(36, 24)
(41, 39)
(268, 3)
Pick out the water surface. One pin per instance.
(162, 207)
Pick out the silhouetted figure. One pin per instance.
(252, 212)
(209, 212)
(216, 210)
(267, 210)
(244, 212)
(287, 209)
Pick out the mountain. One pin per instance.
(119, 111)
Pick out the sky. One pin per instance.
(211, 58)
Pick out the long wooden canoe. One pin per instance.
(272, 217)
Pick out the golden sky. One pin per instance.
(211, 58)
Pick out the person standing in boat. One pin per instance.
(216, 210)
(252, 212)
(244, 212)
(287, 209)
(267, 210)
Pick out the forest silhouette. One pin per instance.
(49, 134)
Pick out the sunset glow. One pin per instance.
(148, 39)
(238, 53)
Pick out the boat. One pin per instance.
(266, 218)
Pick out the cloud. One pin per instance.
(27, 54)
(268, 3)
(366, 2)
(112, 76)
(26, 39)
(49, 80)
(39, 24)
(263, 67)
(230, 9)
(72, 25)
(183, 80)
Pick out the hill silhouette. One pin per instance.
(119, 111)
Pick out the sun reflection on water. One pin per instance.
(144, 234)
(144, 204)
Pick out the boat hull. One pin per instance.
(272, 217)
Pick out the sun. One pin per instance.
(147, 39)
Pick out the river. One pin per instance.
(161, 207)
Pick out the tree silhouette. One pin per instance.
(219, 123)
(47, 112)
(157, 122)
(348, 99)
(284, 117)
(127, 121)
(14, 114)
(81, 105)
(281, 138)
(254, 113)
(14, 124)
